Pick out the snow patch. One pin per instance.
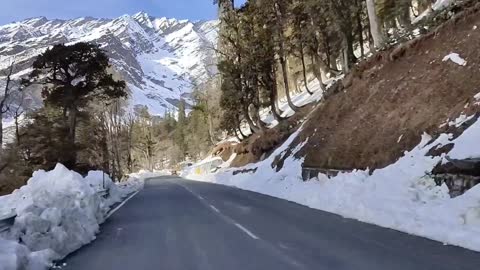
(477, 99)
(455, 58)
(462, 119)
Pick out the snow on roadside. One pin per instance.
(400, 196)
(143, 174)
(57, 212)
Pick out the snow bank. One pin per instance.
(400, 196)
(57, 212)
(14, 256)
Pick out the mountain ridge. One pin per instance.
(161, 59)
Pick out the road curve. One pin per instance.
(175, 224)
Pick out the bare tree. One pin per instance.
(5, 99)
(18, 110)
(376, 28)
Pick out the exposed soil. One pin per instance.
(260, 145)
(390, 100)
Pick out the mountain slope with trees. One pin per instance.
(377, 47)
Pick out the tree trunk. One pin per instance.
(360, 31)
(241, 132)
(376, 28)
(345, 61)
(260, 123)
(256, 105)
(273, 100)
(238, 123)
(282, 56)
(249, 120)
(1, 131)
(211, 133)
(238, 136)
(350, 50)
(17, 128)
(317, 71)
(3, 102)
(304, 69)
(273, 105)
(283, 64)
(72, 125)
(129, 146)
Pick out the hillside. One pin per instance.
(161, 59)
(394, 98)
(381, 150)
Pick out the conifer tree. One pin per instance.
(72, 76)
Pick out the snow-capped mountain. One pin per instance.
(161, 59)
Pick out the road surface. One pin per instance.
(175, 224)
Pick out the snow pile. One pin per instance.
(400, 196)
(14, 256)
(57, 212)
(455, 58)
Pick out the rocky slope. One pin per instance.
(161, 59)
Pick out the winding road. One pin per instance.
(175, 224)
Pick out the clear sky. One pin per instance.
(15, 10)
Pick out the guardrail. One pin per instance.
(103, 193)
(7, 220)
(205, 167)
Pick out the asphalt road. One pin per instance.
(174, 224)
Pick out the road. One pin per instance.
(175, 224)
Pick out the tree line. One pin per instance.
(263, 40)
(86, 124)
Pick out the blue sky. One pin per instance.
(14, 10)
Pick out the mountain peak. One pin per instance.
(143, 19)
(141, 14)
(159, 58)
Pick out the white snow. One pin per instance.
(441, 4)
(477, 99)
(455, 58)
(466, 146)
(161, 59)
(462, 119)
(57, 212)
(400, 196)
(14, 256)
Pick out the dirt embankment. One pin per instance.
(385, 104)
(396, 96)
(260, 145)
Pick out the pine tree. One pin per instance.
(181, 129)
(72, 76)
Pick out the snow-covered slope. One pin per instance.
(161, 59)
